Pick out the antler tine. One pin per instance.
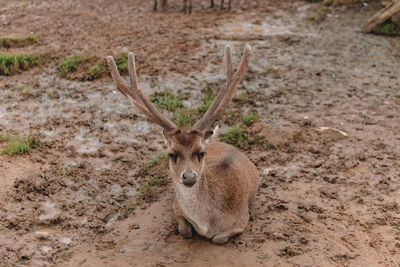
(124, 89)
(229, 65)
(163, 121)
(214, 106)
(225, 94)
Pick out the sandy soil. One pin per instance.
(328, 99)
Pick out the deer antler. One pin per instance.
(227, 92)
(135, 95)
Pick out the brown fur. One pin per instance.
(217, 205)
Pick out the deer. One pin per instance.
(214, 182)
(188, 8)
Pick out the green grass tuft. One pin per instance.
(8, 42)
(13, 63)
(167, 100)
(17, 145)
(207, 101)
(71, 64)
(155, 180)
(241, 98)
(33, 38)
(4, 138)
(387, 28)
(238, 137)
(250, 119)
(182, 117)
(201, 109)
(96, 71)
(122, 63)
(26, 90)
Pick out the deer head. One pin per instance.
(186, 148)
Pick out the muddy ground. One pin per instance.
(329, 104)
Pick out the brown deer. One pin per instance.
(188, 8)
(214, 182)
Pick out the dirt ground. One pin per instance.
(329, 103)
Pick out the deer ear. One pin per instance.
(167, 140)
(209, 134)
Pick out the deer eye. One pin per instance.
(201, 155)
(173, 156)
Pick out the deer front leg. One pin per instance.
(221, 239)
(212, 4)
(229, 5)
(222, 5)
(155, 5)
(184, 227)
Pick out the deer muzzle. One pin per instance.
(189, 178)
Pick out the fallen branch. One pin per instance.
(383, 15)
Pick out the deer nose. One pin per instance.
(189, 178)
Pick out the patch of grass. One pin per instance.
(242, 97)
(207, 101)
(182, 117)
(250, 119)
(325, 9)
(201, 109)
(71, 64)
(26, 90)
(125, 211)
(34, 38)
(17, 145)
(237, 136)
(271, 146)
(314, 1)
(8, 42)
(167, 100)
(122, 63)
(387, 28)
(152, 162)
(14, 63)
(96, 71)
(155, 180)
(4, 138)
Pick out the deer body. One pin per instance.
(214, 182)
(218, 203)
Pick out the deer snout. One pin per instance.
(189, 178)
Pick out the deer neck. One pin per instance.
(195, 193)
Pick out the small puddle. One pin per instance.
(45, 232)
(142, 127)
(47, 132)
(88, 144)
(50, 211)
(116, 188)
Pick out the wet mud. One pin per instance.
(96, 190)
